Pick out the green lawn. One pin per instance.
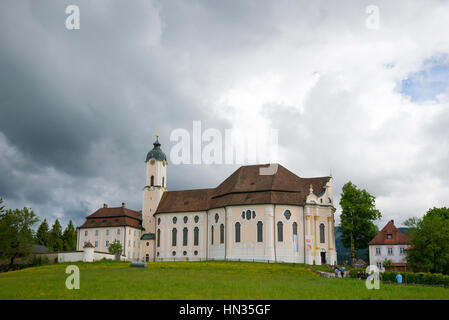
(197, 280)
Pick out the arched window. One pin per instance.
(147, 257)
(222, 233)
(212, 235)
(248, 214)
(237, 232)
(163, 181)
(196, 233)
(322, 240)
(152, 181)
(216, 217)
(173, 237)
(185, 234)
(280, 231)
(158, 237)
(259, 231)
(295, 228)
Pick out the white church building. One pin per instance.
(278, 217)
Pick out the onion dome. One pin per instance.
(156, 153)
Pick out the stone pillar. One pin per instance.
(269, 232)
(330, 238)
(228, 233)
(316, 249)
(308, 233)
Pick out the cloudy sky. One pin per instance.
(79, 108)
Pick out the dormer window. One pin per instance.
(389, 236)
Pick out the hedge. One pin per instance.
(412, 277)
(418, 278)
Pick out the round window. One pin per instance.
(175, 219)
(174, 253)
(197, 219)
(148, 244)
(186, 219)
(184, 253)
(195, 253)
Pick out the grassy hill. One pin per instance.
(197, 280)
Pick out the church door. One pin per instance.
(323, 257)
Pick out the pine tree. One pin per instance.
(56, 241)
(43, 234)
(69, 237)
(2, 208)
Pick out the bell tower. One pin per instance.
(155, 185)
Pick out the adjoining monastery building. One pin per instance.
(249, 216)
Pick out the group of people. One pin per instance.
(339, 271)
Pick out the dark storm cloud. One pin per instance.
(84, 104)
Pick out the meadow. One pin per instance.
(197, 280)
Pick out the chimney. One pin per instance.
(105, 205)
(123, 204)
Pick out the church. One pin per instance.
(276, 217)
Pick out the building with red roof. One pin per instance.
(389, 244)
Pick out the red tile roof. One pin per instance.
(113, 217)
(397, 237)
(245, 186)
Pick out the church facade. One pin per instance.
(251, 215)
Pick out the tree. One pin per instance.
(387, 264)
(356, 220)
(2, 208)
(115, 248)
(69, 237)
(56, 241)
(16, 235)
(43, 234)
(429, 250)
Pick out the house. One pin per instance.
(389, 244)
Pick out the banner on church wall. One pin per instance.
(309, 242)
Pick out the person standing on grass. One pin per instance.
(399, 278)
(336, 271)
(342, 270)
